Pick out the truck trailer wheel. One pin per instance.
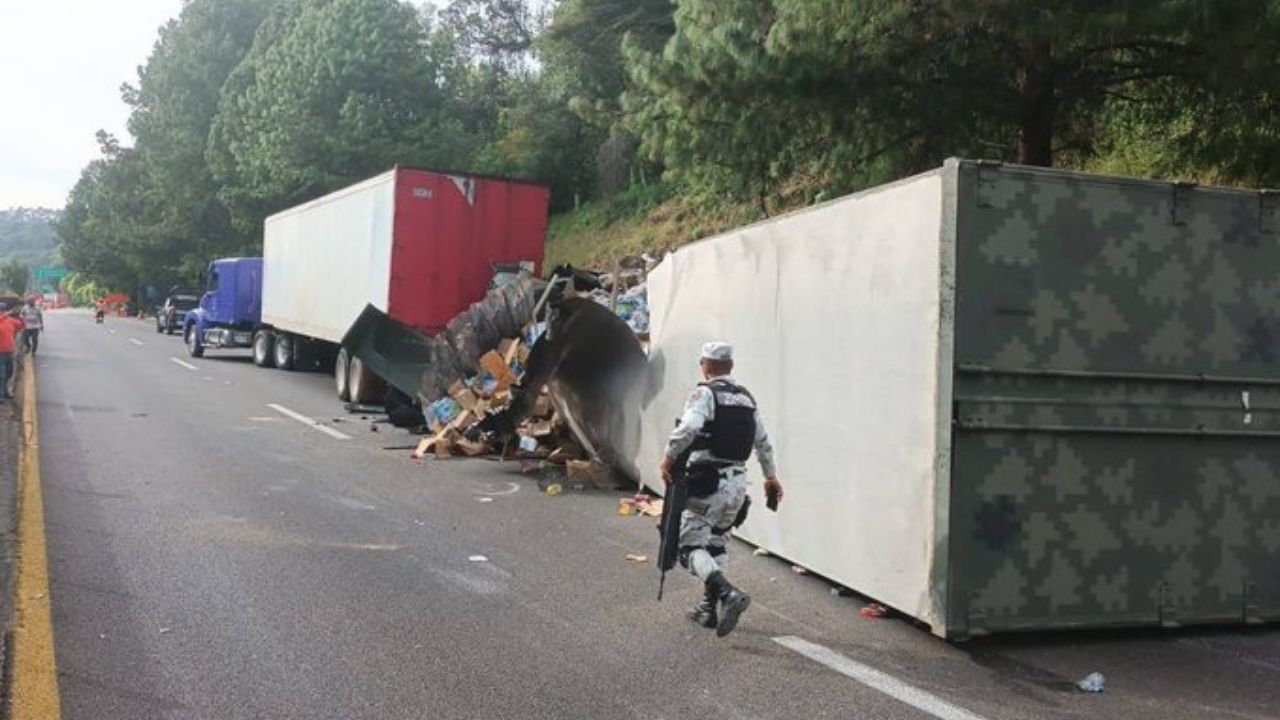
(264, 345)
(363, 387)
(284, 351)
(192, 337)
(341, 368)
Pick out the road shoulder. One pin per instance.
(31, 673)
(10, 455)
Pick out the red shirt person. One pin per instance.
(10, 330)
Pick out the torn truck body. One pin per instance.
(587, 357)
(1005, 398)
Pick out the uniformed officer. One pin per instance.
(720, 425)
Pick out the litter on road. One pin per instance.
(874, 611)
(1093, 683)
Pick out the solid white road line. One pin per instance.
(878, 680)
(186, 365)
(139, 343)
(308, 421)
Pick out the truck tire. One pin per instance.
(264, 346)
(284, 351)
(363, 387)
(192, 338)
(341, 378)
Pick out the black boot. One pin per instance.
(704, 613)
(733, 602)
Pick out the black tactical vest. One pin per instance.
(731, 434)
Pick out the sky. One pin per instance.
(61, 66)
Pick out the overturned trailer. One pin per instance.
(1006, 398)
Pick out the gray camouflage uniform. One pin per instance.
(706, 523)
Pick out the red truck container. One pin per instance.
(418, 245)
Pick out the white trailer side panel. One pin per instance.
(835, 314)
(325, 260)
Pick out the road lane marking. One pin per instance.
(34, 690)
(139, 343)
(877, 680)
(112, 332)
(184, 364)
(308, 421)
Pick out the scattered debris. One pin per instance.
(555, 489)
(484, 499)
(165, 630)
(638, 558)
(761, 552)
(874, 611)
(799, 570)
(478, 559)
(1094, 682)
(641, 504)
(592, 472)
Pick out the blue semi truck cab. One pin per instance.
(230, 310)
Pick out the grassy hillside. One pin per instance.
(654, 219)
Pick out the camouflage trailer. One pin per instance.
(1008, 398)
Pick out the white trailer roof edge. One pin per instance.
(388, 176)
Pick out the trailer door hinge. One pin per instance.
(1181, 205)
(1268, 209)
(1252, 614)
(1168, 612)
(987, 172)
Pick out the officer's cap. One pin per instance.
(718, 351)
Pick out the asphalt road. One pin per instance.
(211, 557)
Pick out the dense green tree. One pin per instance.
(173, 106)
(246, 107)
(832, 85)
(14, 275)
(332, 91)
(104, 231)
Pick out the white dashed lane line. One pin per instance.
(311, 422)
(878, 680)
(183, 363)
(139, 343)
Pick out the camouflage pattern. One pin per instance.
(1116, 445)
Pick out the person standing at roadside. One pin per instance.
(34, 320)
(10, 328)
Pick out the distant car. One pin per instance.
(174, 312)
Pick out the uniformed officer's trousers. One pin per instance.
(707, 522)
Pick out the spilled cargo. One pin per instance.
(561, 385)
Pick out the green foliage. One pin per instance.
(751, 92)
(106, 229)
(27, 235)
(700, 113)
(14, 275)
(331, 92)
